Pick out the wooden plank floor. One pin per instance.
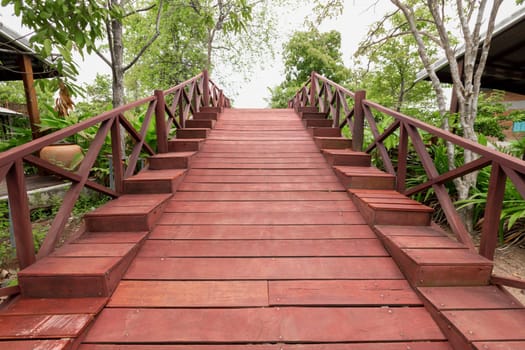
(261, 248)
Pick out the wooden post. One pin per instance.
(359, 121)
(19, 204)
(160, 121)
(116, 150)
(402, 159)
(312, 89)
(496, 192)
(337, 121)
(206, 88)
(31, 100)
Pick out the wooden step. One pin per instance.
(78, 270)
(185, 145)
(310, 109)
(128, 213)
(192, 133)
(364, 177)
(435, 260)
(388, 207)
(313, 115)
(346, 157)
(456, 308)
(211, 109)
(330, 132)
(171, 160)
(154, 181)
(200, 123)
(205, 116)
(332, 142)
(322, 123)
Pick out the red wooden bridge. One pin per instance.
(262, 230)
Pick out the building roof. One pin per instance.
(12, 45)
(505, 68)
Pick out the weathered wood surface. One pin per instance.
(261, 244)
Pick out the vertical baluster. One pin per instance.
(160, 122)
(116, 152)
(206, 88)
(496, 192)
(359, 120)
(19, 205)
(312, 89)
(402, 159)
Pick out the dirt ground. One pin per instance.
(510, 262)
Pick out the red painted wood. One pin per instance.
(42, 326)
(55, 306)
(439, 242)
(261, 232)
(259, 179)
(93, 250)
(332, 142)
(263, 325)
(261, 172)
(280, 346)
(190, 294)
(499, 345)
(282, 206)
(55, 344)
(342, 292)
(262, 268)
(447, 256)
(475, 297)
(421, 231)
(490, 325)
(185, 145)
(171, 160)
(262, 248)
(273, 196)
(260, 155)
(278, 187)
(313, 218)
(197, 164)
(111, 237)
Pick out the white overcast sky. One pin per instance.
(353, 25)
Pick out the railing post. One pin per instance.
(312, 89)
(206, 88)
(160, 122)
(402, 159)
(496, 192)
(19, 205)
(359, 121)
(116, 155)
(337, 116)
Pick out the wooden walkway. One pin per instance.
(261, 245)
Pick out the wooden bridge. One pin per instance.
(262, 230)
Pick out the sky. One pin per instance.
(353, 25)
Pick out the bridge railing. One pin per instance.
(170, 108)
(353, 109)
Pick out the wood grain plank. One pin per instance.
(262, 268)
(111, 237)
(261, 196)
(261, 232)
(260, 206)
(42, 326)
(490, 325)
(257, 179)
(54, 344)
(342, 292)
(260, 172)
(262, 248)
(475, 297)
(93, 250)
(500, 345)
(313, 218)
(263, 325)
(56, 306)
(261, 187)
(190, 294)
(341, 346)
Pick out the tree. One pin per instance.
(306, 52)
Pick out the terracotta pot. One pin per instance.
(62, 155)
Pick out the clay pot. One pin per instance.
(63, 155)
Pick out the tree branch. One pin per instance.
(145, 9)
(150, 41)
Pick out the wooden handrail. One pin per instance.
(188, 97)
(330, 97)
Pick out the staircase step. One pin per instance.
(323, 123)
(388, 207)
(313, 115)
(211, 109)
(128, 213)
(346, 157)
(78, 270)
(309, 109)
(206, 116)
(364, 177)
(435, 260)
(330, 132)
(171, 160)
(332, 142)
(154, 181)
(185, 145)
(200, 123)
(192, 133)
